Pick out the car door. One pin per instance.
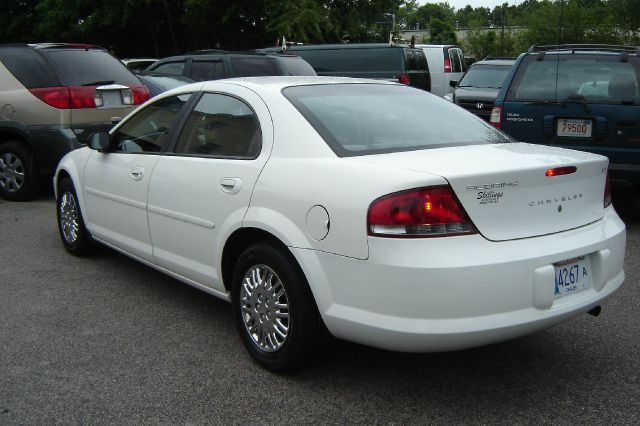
(198, 194)
(116, 182)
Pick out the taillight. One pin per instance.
(140, 94)
(403, 78)
(424, 212)
(560, 171)
(57, 97)
(496, 117)
(607, 192)
(82, 97)
(447, 65)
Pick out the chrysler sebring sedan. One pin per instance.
(368, 210)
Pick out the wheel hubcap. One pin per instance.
(265, 308)
(11, 172)
(69, 217)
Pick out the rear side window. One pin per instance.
(145, 132)
(410, 57)
(173, 68)
(207, 70)
(252, 67)
(591, 78)
(28, 67)
(354, 60)
(360, 119)
(421, 61)
(85, 67)
(221, 126)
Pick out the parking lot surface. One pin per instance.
(108, 340)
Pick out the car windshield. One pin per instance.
(585, 78)
(79, 67)
(485, 76)
(360, 119)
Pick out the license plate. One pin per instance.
(111, 98)
(572, 276)
(571, 127)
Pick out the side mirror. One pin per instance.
(100, 141)
(453, 83)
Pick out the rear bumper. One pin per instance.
(425, 295)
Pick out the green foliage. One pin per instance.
(441, 32)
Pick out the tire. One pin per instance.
(291, 332)
(75, 237)
(19, 177)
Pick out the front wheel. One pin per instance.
(273, 307)
(74, 235)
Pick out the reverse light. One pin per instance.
(496, 117)
(607, 192)
(424, 212)
(559, 171)
(403, 79)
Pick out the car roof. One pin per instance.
(491, 61)
(297, 47)
(207, 53)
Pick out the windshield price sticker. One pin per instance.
(572, 276)
(572, 127)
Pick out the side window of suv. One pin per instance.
(421, 61)
(145, 132)
(174, 68)
(410, 55)
(221, 126)
(207, 70)
(251, 67)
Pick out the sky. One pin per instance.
(459, 4)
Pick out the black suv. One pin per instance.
(216, 64)
(583, 97)
(402, 63)
(52, 96)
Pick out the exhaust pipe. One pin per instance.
(595, 311)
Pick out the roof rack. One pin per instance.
(585, 47)
(205, 51)
(499, 58)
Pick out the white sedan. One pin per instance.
(371, 210)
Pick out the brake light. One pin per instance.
(57, 97)
(424, 212)
(496, 117)
(82, 97)
(607, 192)
(403, 78)
(559, 171)
(447, 65)
(140, 94)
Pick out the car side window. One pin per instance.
(251, 67)
(173, 68)
(221, 126)
(207, 70)
(411, 60)
(463, 63)
(421, 61)
(145, 132)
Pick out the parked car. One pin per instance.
(347, 204)
(51, 97)
(446, 63)
(138, 64)
(216, 64)
(158, 83)
(401, 63)
(577, 96)
(479, 86)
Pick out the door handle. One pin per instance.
(231, 185)
(136, 173)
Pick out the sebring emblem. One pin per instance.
(479, 105)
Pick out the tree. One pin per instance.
(441, 32)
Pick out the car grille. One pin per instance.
(479, 108)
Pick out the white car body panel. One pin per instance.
(408, 294)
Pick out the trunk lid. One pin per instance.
(504, 189)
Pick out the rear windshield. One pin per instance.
(360, 119)
(293, 65)
(485, 76)
(590, 78)
(362, 61)
(78, 67)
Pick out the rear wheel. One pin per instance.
(74, 235)
(19, 178)
(273, 306)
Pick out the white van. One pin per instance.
(446, 63)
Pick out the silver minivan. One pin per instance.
(446, 63)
